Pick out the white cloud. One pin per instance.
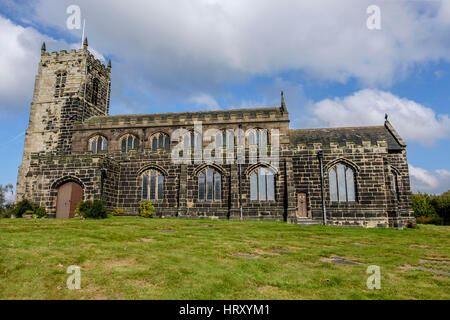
(19, 58)
(434, 182)
(174, 50)
(413, 121)
(205, 100)
(202, 43)
(18, 62)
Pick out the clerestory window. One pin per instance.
(98, 144)
(129, 142)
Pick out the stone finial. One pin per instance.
(85, 44)
(43, 48)
(283, 104)
(109, 64)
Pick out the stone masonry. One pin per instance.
(62, 125)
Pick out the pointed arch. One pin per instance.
(395, 170)
(211, 165)
(348, 162)
(254, 167)
(154, 167)
(59, 182)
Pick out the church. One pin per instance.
(74, 151)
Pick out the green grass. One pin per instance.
(129, 258)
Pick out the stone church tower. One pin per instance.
(69, 88)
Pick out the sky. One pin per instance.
(339, 64)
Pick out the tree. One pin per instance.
(422, 206)
(3, 191)
(441, 205)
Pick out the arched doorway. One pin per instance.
(70, 195)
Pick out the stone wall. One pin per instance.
(53, 114)
(57, 151)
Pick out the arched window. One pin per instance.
(98, 144)
(192, 141)
(262, 184)
(209, 185)
(60, 84)
(257, 137)
(129, 142)
(160, 141)
(94, 97)
(152, 185)
(342, 183)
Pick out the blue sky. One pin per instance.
(212, 54)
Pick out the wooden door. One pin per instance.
(302, 211)
(70, 195)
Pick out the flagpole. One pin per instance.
(82, 37)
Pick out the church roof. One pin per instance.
(352, 134)
(239, 115)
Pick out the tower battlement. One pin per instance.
(70, 87)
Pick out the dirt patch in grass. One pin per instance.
(340, 260)
(270, 290)
(438, 257)
(244, 255)
(408, 267)
(141, 283)
(167, 231)
(434, 261)
(119, 263)
(362, 244)
(147, 240)
(419, 246)
(88, 246)
(265, 253)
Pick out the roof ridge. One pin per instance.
(190, 112)
(335, 128)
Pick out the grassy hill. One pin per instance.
(136, 258)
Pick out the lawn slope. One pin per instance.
(136, 258)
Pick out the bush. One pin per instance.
(28, 213)
(8, 211)
(441, 205)
(411, 224)
(22, 207)
(436, 208)
(422, 206)
(92, 210)
(117, 212)
(146, 209)
(40, 212)
(423, 220)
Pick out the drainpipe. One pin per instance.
(240, 178)
(324, 209)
